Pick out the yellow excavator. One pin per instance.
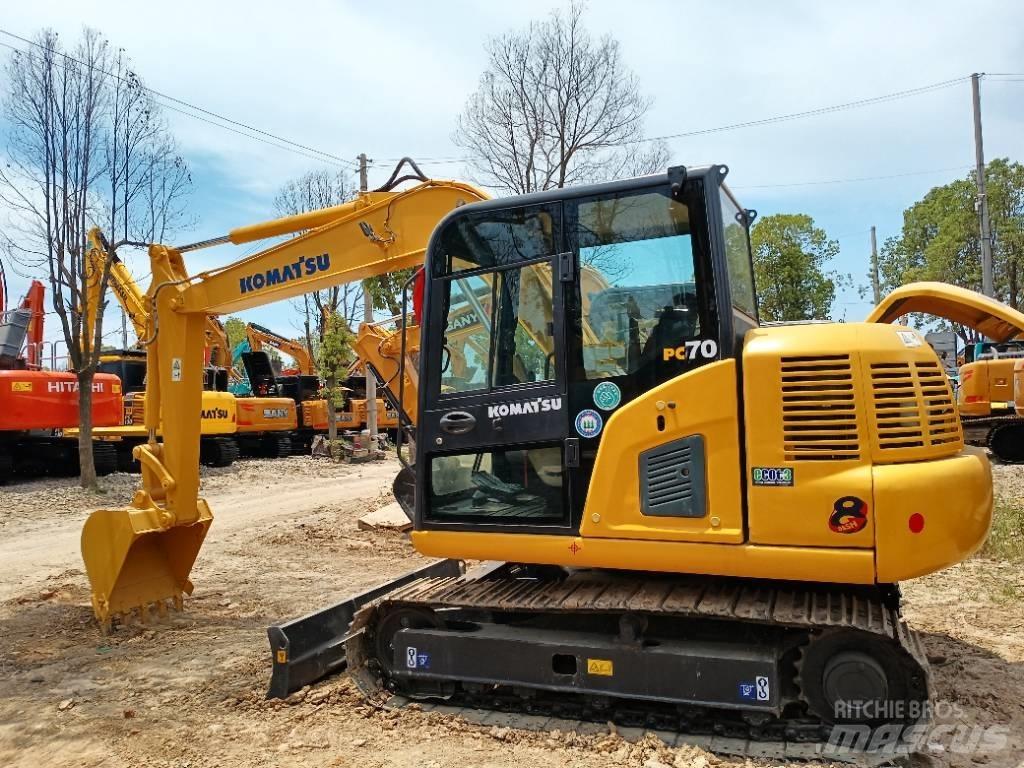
(258, 336)
(685, 516)
(986, 398)
(230, 426)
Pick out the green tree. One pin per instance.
(791, 258)
(940, 238)
(234, 327)
(334, 355)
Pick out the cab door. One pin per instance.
(493, 409)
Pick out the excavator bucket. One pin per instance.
(133, 562)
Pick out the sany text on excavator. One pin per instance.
(690, 515)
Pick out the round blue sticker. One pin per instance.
(588, 423)
(607, 395)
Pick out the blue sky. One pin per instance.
(390, 79)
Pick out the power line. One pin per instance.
(292, 145)
(854, 179)
(320, 155)
(869, 101)
(895, 96)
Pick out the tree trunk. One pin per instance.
(331, 381)
(87, 469)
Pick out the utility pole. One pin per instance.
(371, 381)
(987, 284)
(124, 329)
(874, 269)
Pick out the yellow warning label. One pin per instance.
(282, 656)
(115, 388)
(21, 386)
(600, 667)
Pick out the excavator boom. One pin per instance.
(142, 554)
(259, 335)
(992, 318)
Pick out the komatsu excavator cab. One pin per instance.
(512, 413)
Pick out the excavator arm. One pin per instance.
(992, 318)
(258, 336)
(142, 554)
(33, 302)
(126, 290)
(135, 303)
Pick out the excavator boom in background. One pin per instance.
(299, 352)
(688, 515)
(230, 427)
(993, 372)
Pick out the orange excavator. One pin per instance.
(36, 405)
(302, 383)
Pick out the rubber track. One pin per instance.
(976, 423)
(797, 606)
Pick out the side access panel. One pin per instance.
(668, 467)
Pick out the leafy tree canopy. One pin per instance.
(940, 239)
(791, 259)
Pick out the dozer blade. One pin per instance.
(133, 562)
(306, 649)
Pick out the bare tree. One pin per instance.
(554, 107)
(310, 192)
(86, 147)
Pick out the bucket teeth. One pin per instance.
(143, 614)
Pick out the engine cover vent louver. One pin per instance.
(913, 406)
(819, 409)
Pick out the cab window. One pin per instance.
(498, 297)
(638, 283)
(737, 256)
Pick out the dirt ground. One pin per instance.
(188, 691)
